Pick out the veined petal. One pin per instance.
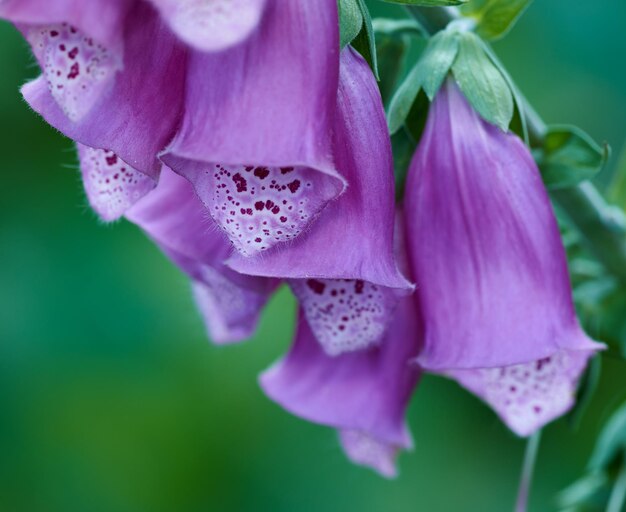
(256, 137)
(211, 25)
(353, 237)
(138, 113)
(365, 392)
(176, 220)
(484, 245)
(112, 186)
(530, 395)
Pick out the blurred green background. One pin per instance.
(112, 400)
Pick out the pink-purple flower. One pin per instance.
(253, 151)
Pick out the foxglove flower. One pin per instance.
(490, 269)
(113, 75)
(255, 139)
(174, 217)
(363, 395)
(343, 269)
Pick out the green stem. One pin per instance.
(618, 495)
(530, 458)
(602, 226)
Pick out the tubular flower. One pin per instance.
(363, 395)
(343, 269)
(490, 269)
(255, 139)
(176, 220)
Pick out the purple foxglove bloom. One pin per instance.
(364, 395)
(211, 25)
(255, 140)
(113, 74)
(490, 269)
(485, 250)
(342, 269)
(176, 220)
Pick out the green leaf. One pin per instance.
(365, 41)
(611, 443)
(428, 74)
(617, 188)
(350, 20)
(391, 52)
(427, 3)
(569, 156)
(398, 28)
(403, 147)
(583, 491)
(586, 390)
(482, 83)
(494, 18)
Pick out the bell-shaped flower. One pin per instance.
(490, 268)
(174, 217)
(255, 139)
(342, 269)
(212, 25)
(363, 395)
(112, 74)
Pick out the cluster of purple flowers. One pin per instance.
(254, 152)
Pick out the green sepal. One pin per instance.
(350, 21)
(427, 75)
(482, 82)
(427, 3)
(365, 41)
(494, 18)
(391, 51)
(569, 156)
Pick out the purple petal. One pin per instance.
(77, 69)
(364, 450)
(258, 124)
(137, 115)
(213, 25)
(176, 220)
(345, 315)
(100, 19)
(484, 246)
(112, 186)
(366, 392)
(259, 207)
(353, 237)
(530, 395)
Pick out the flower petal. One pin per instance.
(112, 186)
(210, 25)
(137, 115)
(353, 237)
(345, 315)
(364, 450)
(176, 220)
(530, 395)
(365, 392)
(484, 246)
(257, 132)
